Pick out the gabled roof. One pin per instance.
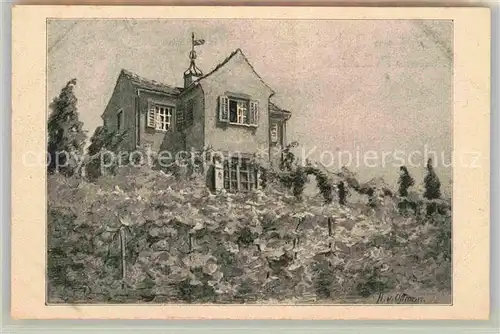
(220, 65)
(161, 87)
(153, 85)
(150, 84)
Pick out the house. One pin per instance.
(228, 109)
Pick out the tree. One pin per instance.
(66, 137)
(432, 183)
(342, 192)
(299, 181)
(372, 198)
(101, 140)
(405, 181)
(97, 142)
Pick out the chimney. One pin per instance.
(188, 79)
(193, 72)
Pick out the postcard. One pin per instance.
(250, 162)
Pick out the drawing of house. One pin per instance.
(228, 109)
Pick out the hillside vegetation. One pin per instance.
(146, 236)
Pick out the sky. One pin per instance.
(351, 85)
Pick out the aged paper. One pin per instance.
(250, 163)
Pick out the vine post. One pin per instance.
(329, 231)
(122, 246)
(122, 232)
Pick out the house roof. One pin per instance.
(225, 61)
(274, 108)
(150, 84)
(161, 87)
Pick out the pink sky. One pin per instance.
(353, 85)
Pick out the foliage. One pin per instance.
(432, 183)
(294, 174)
(66, 137)
(97, 160)
(184, 244)
(323, 182)
(405, 181)
(299, 177)
(288, 158)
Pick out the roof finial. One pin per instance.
(193, 69)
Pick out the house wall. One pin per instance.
(122, 99)
(236, 77)
(195, 133)
(149, 136)
(276, 148)
(185, 138)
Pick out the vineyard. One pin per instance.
(145, 236)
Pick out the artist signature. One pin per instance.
(398, 298)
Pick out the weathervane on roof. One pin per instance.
(193, 70)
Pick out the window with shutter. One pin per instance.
(159, 116)
(223, 109)
(238, 110)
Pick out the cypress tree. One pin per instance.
(405, 181)
(432, 183)
(66, 137)
(97, 142)
(342, 192)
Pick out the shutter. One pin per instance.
(151, 116)
(179, 118)
(218, 175)
(274, 133)
(158, 123)
(223, 108)
(254, 113)
(257, 176)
